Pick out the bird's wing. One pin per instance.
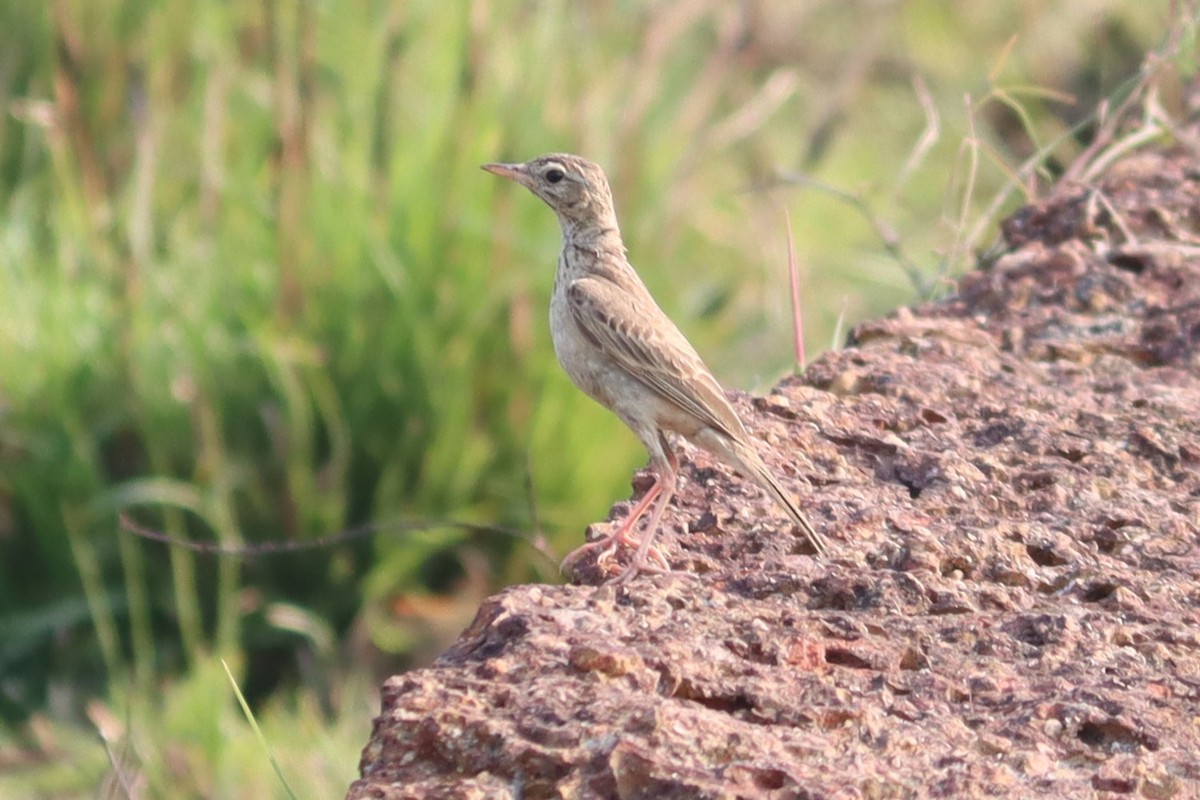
(629, 327)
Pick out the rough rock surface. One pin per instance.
(1011, 481)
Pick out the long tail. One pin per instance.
(750, 464)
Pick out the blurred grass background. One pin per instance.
(254, 287)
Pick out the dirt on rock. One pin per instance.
(1009, 479)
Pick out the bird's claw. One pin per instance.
(608, 547)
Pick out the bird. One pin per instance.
(620, 348)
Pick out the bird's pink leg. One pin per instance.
(610, 543)
(646, 548)
(664, 465)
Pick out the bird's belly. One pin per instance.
(603, 379)
(585, 365)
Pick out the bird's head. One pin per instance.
(574, 187)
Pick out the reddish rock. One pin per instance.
(1010, 478)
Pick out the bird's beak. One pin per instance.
(514, 172)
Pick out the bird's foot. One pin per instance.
(606, 544)
(639, 566)
(608, 547)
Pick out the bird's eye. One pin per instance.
(554, 175)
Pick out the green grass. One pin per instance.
(254, 287)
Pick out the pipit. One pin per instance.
(619, 347)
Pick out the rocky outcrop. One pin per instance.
(1010, 479)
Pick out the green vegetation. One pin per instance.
(255, 288)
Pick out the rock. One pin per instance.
(1010, 479)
